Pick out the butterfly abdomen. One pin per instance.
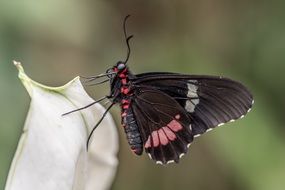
(131, 128)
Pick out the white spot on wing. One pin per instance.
(192, 93)
(198, 135)
(232, 120)
(149, 155)
(170, 161)
(181, 155)
(159, 162)
(251, 105)
(188, 145)
(210, 129)
(221, 124)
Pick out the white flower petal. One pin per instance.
(51, 153)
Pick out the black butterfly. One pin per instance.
(163, 112)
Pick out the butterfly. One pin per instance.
(162, 113)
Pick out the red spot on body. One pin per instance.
(124, 101)
(122, 75)
(136, 151)
(124, 81)
(174, 125)
(126, 106)
(125, 90)
(124, 114)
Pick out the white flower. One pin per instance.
(51, 153)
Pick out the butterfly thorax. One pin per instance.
(121, 87)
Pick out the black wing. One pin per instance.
(164, 125)
(210, 101)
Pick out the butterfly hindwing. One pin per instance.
(209, 101)
(164, 125)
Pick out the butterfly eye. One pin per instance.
(121, 66)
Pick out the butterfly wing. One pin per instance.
(209, 101)
(164, 125)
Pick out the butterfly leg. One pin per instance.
(97, 124)
(82, 108)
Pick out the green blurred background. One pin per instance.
(57, 40)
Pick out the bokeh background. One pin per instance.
(57, 40)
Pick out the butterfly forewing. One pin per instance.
(164, 125)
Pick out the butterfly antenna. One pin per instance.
(97, 124)
(127, 38)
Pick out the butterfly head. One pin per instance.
(121, 66)
(117, 69)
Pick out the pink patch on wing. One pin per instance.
(170, 135)
(155, 138)
(177, 116)
(162, 137)
(147, 144)
(174, 125)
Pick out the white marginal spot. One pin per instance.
(181, 155)
(188, 145)
(170, 161)
(251, 107)
(232, 120)
(192, 93)
(210, 129)
(190, 127)
(221, 124)
(149, 155)
(198, 135)
(159, 162)
(242, 116)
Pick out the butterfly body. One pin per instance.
(122, 92)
